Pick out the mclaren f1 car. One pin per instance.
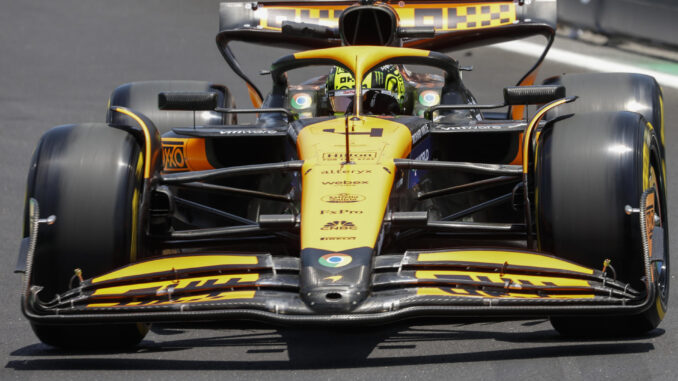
(369, 194)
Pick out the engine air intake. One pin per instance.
(368, 25)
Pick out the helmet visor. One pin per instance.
(341, 99)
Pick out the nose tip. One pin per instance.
(334, 300)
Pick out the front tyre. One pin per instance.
(90, 177)
(589, 167)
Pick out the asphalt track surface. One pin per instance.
(60, 59)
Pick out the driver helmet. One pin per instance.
(385, 79)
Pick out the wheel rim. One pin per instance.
(661, 266)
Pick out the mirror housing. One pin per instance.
(532, 95)
(187, 101)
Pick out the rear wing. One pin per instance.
(458, 24)
(453, 24)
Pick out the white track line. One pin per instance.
(585, 61)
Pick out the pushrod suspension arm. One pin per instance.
(211, 174)
(472, 186)
(239, 191)
(494, 169)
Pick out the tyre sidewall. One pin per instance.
(87, 176)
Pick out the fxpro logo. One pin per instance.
(173, 156)
(340, 211)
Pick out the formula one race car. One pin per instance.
(337, 206)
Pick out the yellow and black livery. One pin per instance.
(363, 218)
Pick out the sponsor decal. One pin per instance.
(346, 171)
(426, 155)
(173, 156)
(337, 238)
(346, 182)
(353, 156)
(340, 211)
(301, 101)
(419, 134)
(343, 198)
(333, 278)
(250, 131)
(339, 225)
(480, 128)
(335, 260)
(429, 98)
(455, 17)
(374, 132)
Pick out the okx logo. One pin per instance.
(173, 157)
(339, 225)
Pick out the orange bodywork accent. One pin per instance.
(254, 96)
(184, 155)
(359, 59)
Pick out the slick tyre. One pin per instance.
(142, 97)
(611, 92)
(589, 167)
(89, 176)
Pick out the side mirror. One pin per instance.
(532, 95)
(187, 101)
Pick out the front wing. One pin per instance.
(223, 286)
